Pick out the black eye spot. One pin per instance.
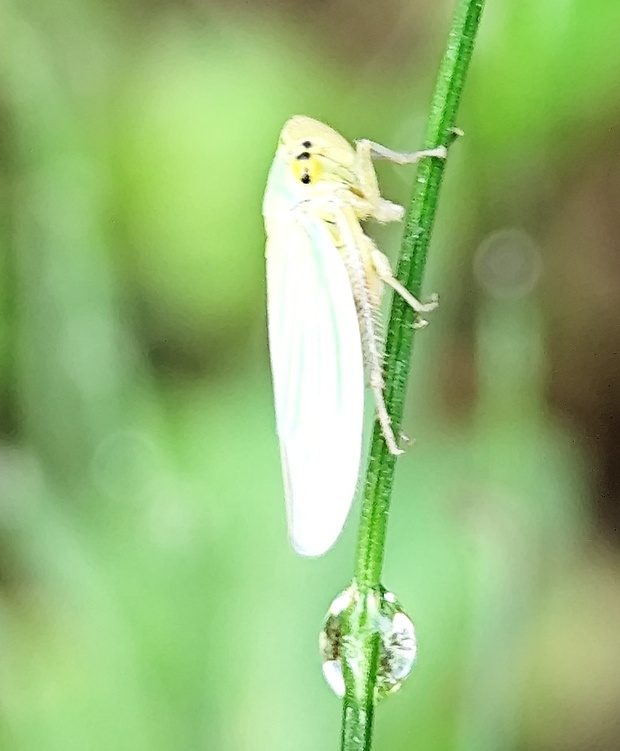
(305, 178)
(304, 155)
(306, 144)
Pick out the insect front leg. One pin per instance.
(366, 151)
(384, 271)
(377, 151)
(382, 209)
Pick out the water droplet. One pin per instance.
(398, 642)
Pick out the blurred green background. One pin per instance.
(148, 595)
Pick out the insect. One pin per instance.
(324, 283)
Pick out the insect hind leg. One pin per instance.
(356, 253)
(377, 386)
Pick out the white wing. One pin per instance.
(318, 377)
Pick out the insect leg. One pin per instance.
(367, 305)
(384, 272)
(383, 210)
(377, 151)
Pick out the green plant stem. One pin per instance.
(359, 703)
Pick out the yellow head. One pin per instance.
(316, 153)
